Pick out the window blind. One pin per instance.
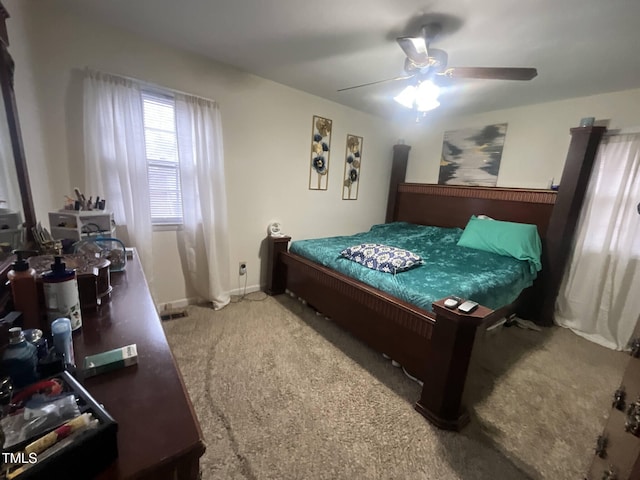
(162, 158)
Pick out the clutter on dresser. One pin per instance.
(20, 359)
(61, 329)
(80, 202)
(92, 275)
(112, 249)
(55, 429)
(75, 225)
(61, 295)
(45, 242)
(50, 427)
(24, 290)
(110, 360)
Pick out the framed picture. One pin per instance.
(320, 151)
(471, 156)
(352, 165)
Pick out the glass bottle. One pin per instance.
(20, 359)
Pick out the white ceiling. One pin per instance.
(580, 47)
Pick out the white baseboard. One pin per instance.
(185, 302)
(250, 289)
(174, 304)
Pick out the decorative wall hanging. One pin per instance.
(471, 156)
(320, 150)
(353, 161)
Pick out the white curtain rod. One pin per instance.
(153, 85)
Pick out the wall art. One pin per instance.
(320, 150)
(352, 165)
(471, 156)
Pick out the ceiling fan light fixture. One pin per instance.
(427, 96)
(423, 98)
(426, 105)
(406, 97)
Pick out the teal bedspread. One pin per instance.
(487, 278)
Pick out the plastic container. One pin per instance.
(24, 291)
(20, 359)
(62, 341)
(112, 249)
(61, 294)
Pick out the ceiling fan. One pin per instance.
(423, 64)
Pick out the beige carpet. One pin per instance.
(282, 393)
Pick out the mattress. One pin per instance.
(448, 269)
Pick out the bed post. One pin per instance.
(564, 217)
(276, 270)
(448, 359)
(398, 176)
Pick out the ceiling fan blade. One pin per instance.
(491, 73)
(405, 77)
(415, 48)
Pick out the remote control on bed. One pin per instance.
(468, 306)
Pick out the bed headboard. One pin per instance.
(555, 213)
(452, 206)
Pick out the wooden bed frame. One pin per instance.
(433, 346)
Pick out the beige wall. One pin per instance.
(537, 138)
(267, 129)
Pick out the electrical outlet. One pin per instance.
(242, 269)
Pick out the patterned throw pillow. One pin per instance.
(382, 257)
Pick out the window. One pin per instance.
(162, 158)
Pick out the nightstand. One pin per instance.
(276, 276)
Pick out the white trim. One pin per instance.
(180, 303)
(167, 227)
(185, 302)
(250, 289)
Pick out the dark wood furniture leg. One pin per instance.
(447, 362)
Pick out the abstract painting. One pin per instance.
(352, 164)
(320, 150)
(471, 156)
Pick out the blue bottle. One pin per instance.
(20, 359)
(62, 341)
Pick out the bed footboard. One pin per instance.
(434, 347)
(447, 363)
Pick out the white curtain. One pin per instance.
(599, 297)
(115, 159)
(9, 189)
(204, 237)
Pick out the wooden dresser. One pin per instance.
(158, 433)
(617, 450)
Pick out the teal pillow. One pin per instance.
(518, 240)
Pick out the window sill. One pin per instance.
(167, 227)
